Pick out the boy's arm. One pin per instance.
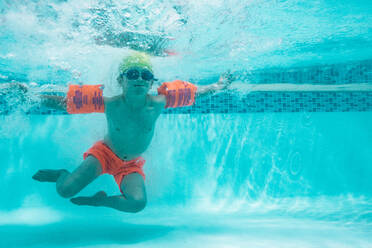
(85, 99)
(79, 99)
(181, 93)
(20, 93)
(53, 102)
(224, 81)
(60, 102)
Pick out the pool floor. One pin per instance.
(187, 230)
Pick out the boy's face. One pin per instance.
(136, 81)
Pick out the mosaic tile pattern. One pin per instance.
(266, 101)
(335, 101)
(353, 72)
(260, 101)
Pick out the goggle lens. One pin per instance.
(134, 74)
(147, 75)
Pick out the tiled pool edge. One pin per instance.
(252, 98)
(271, 101)
(281, 101)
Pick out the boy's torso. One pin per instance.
(130, 131)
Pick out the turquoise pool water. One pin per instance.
(259, 180)
(213, 180)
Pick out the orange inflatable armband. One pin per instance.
(83, 99)
(178, 93)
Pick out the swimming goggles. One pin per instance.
(134, 74)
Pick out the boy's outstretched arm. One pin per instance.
(21, 93)
(53, 102)
(224, 81)
(181, 93)
(79, 99)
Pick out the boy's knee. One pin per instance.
(65, 191)
(138, 201)
(139, 205)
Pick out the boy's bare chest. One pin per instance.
(130, 122)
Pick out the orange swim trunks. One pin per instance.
(112, 164)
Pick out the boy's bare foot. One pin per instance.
(48, 175)
(95, 200)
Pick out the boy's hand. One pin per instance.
(15, 94)
(14, 89)
(18, 87)
(225, 80)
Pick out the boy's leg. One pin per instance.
(69, 184)
(133, 200)
(134, 193)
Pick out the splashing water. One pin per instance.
(59, 41)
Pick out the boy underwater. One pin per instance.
(131, 119)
